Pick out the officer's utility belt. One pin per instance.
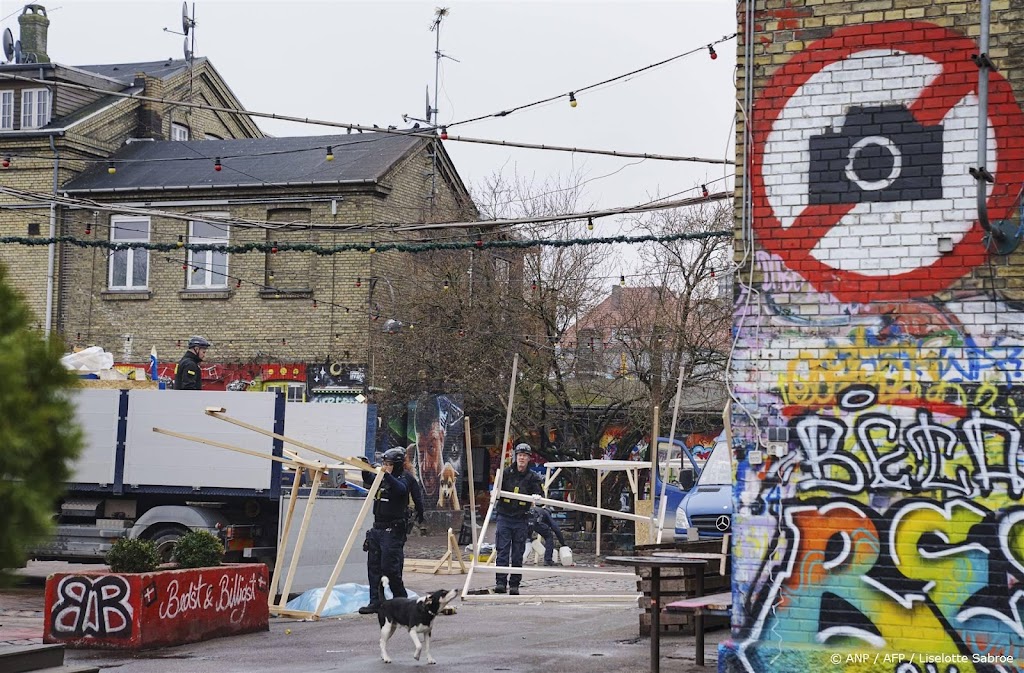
(389, 525)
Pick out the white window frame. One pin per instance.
(7, 110)
(293, 391)
(203, 278)
(35, 108)
(179, 132)
(129, 223)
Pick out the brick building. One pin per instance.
(878, 323)
(154, 172)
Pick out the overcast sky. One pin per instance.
(370, 62)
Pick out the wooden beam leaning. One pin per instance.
(497, 477)
(303, 527)
(363, 511)
(279, 559)
(576, 506)
(219, 413)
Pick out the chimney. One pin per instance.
(34, 24)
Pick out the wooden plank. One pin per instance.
(303, 529)
(297, 614)
(279, 560)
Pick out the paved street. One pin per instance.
(481, 636)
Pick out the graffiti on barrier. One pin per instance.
(92, 606)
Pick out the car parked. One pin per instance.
(705, 511)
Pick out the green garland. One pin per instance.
(360, 247)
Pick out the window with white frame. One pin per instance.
(179, 132)
(35, 108)
(6, 110)
(208, 269)
(129, 267)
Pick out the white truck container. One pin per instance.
(131, 481)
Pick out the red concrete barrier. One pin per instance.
(167, 607)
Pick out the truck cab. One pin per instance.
(705, 511)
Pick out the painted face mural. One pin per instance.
(887, 534)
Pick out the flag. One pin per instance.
(153, 375)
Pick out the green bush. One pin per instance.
(38, 436)
(133, 556)
(198, 549)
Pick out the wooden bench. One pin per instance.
(714, 604)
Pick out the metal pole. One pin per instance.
(52, 247)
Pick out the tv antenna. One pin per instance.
(187, 24)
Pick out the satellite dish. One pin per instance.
(186, 22)
(188, 54)
(8, 44)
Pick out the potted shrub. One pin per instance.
(140, 604)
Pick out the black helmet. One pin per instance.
(198, 341)
(523, 448)
(395, 455)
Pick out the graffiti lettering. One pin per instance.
(198, 596)
(924, 455)
(96, 607)
(235, 594)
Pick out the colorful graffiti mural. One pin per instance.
(888, 534)
(436, 448)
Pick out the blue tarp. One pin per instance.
(344, 600)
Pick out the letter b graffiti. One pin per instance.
(88, 607)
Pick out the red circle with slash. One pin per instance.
(958, 78)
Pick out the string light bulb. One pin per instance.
(533, 286)
(88, 229)
(622, 281)
(273, 248)
(7, 162)
(479, 241)
(704, 190)
(314, 304)
(111, 168)
(373, 247)
(572, 99)
(444, 133)
(181, 241)
(711, 52)
(238, 285)
(712, 272)
(270, 276)
(216, 164)
(446, 285)
(330, 154)
(590, 224)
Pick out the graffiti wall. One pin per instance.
(135, 611)
(880, 364)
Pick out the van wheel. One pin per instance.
(165, 539)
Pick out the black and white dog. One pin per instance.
(416, 615)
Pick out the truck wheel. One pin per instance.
(165, 539)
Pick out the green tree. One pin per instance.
(38, 435)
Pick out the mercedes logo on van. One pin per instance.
(722, 523)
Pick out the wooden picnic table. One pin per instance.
(656, 563)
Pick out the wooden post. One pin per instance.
(671, 438)
(497, 477)
(306, 516)
(282, 542)
(472, 480)
(363, 511)
(600, 479)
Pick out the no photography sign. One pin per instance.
(862, 147)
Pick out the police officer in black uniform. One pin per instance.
(188, 375)
(513, 517)
(385, 542)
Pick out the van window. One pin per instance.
(718, 470)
